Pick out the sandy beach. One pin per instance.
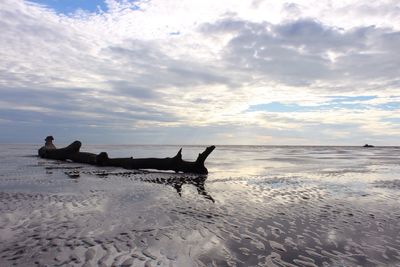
(258, 206)
(311, 87)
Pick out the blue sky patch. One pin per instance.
(175, 33)
(278, 107)
(390, 106)
(336, 102)
(70, 6)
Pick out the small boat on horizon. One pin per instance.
(367, 145)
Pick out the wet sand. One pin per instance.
(259, 206)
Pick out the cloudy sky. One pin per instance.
(200, 72)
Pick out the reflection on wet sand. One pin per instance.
(165, 178)
(177, 182)
(315, 212)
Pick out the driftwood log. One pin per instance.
(175, 163)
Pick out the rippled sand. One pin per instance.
(259, 206)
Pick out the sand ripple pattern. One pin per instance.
(315, 216)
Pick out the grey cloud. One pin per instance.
(378, 9)
(134, 90)
(74, 107)
(297, 52)
(292, 8)
(62, 98)
(158, 70)
(316, 37)
(232, 25)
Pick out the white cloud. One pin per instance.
(166, 65)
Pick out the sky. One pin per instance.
(230, 72)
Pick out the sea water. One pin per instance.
(258, 206)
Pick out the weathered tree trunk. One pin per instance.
(176, 163)
(61, 153)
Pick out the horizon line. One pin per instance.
(241, 145)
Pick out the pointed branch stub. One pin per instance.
(203, 156)
(179, 155)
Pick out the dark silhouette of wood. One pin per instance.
(176, 163)
(61, 153)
